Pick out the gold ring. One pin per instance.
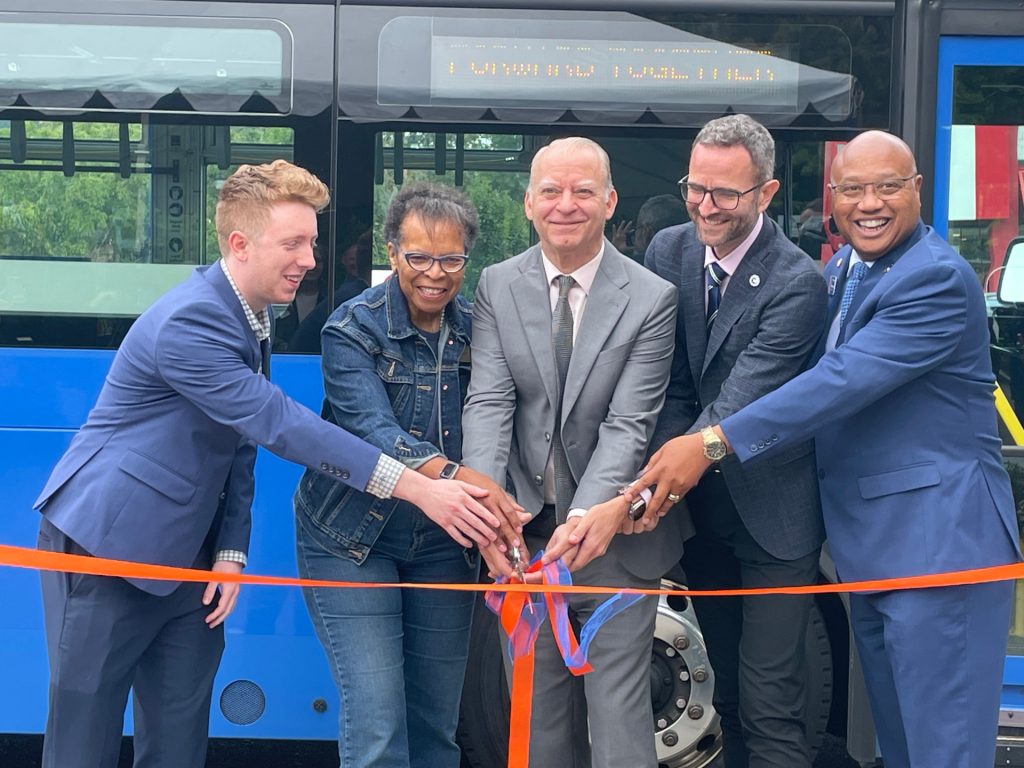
(674, 497)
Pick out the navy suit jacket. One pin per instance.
(165, 459)
(902, 412)
(765, 333)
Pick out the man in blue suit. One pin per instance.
(901, 409)
(162, 472)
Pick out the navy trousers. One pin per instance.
(105, 637)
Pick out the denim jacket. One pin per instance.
(382, 380)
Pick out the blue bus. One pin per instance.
(118, 122)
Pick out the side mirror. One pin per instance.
(1011, 279)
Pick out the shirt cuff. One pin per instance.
(575, 512)
(384, 477)
(232, 556)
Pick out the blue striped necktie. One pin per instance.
(857, 273)
(714, 275)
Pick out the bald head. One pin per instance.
(876, 193)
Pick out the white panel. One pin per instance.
(962, 174)
(56, 287)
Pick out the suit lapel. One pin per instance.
(605, 305)
(692, 287)
(214, 274)
(533, 301)
(744, 284)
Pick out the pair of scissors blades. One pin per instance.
(515, 558)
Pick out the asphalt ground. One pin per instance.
(23, 752)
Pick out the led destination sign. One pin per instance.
(601, 71)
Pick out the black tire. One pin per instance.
(484, 716)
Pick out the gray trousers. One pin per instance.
(612, 704)
(104, 637)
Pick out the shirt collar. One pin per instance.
(258, 321)
(731, 262)
(584, 276)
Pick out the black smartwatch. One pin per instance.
(448, 471)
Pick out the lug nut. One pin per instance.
(680, 703)
(670, 651)
(662, 723)
(684, 675)
(696, 712)
(700, 674)
(682, 642)
(669, 738)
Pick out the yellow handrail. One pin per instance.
(1009, 418)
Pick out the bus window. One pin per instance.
(99, 219)
(489, 168)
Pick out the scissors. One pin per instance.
(515, 559)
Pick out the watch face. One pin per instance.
(715, 451)
(448, 470)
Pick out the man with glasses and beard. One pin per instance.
(751, 309)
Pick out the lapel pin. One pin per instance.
(839, 263)
(755, 280)
(832, 282)
(887, 269)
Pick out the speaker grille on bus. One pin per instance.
(242, 702)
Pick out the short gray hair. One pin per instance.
(576, 143)
(434, 204)
(743, 131)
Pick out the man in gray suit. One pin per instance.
(751, 310)
(572, 347)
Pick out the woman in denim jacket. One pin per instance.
(396, 368)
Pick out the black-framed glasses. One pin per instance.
(422, 262)
(723, 198)
(886, 189)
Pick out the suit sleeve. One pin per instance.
(917, 324)
(201, 357)
(638, 397)
(236, 516)
(789, 329)
(680, 408)
(487, 418)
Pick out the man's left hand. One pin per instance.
(228, 592)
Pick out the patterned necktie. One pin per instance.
(713, 275)
(856, 275)
(561, 341)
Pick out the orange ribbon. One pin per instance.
(24, 557)
(515, 600)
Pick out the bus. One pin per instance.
(119, 120)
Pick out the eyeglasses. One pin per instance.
(885, 190)
(722, 198)
(422, 262)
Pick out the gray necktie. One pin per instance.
(561, 341)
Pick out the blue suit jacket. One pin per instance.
(902, 413)
(166, 456)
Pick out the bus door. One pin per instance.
(979, 188)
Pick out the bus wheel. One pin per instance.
(686, 728)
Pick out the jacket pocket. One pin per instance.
(910, 478)
(158, 477)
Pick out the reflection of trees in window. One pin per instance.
(498, 196)
(986, 95)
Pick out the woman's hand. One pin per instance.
(453, 505)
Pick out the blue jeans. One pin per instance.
(398, 656)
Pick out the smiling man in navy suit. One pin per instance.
(902, 412)
(162, 472)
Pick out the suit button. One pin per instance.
(547, 436)
(325, 466)
(760, 443)
(344, 474)
(538, 480)
(775, 438)
(821, 474)
(223, 496)
(753, 447)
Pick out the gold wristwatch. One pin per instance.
(714, 447)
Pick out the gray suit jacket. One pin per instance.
(615, 385)
(767, 328)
